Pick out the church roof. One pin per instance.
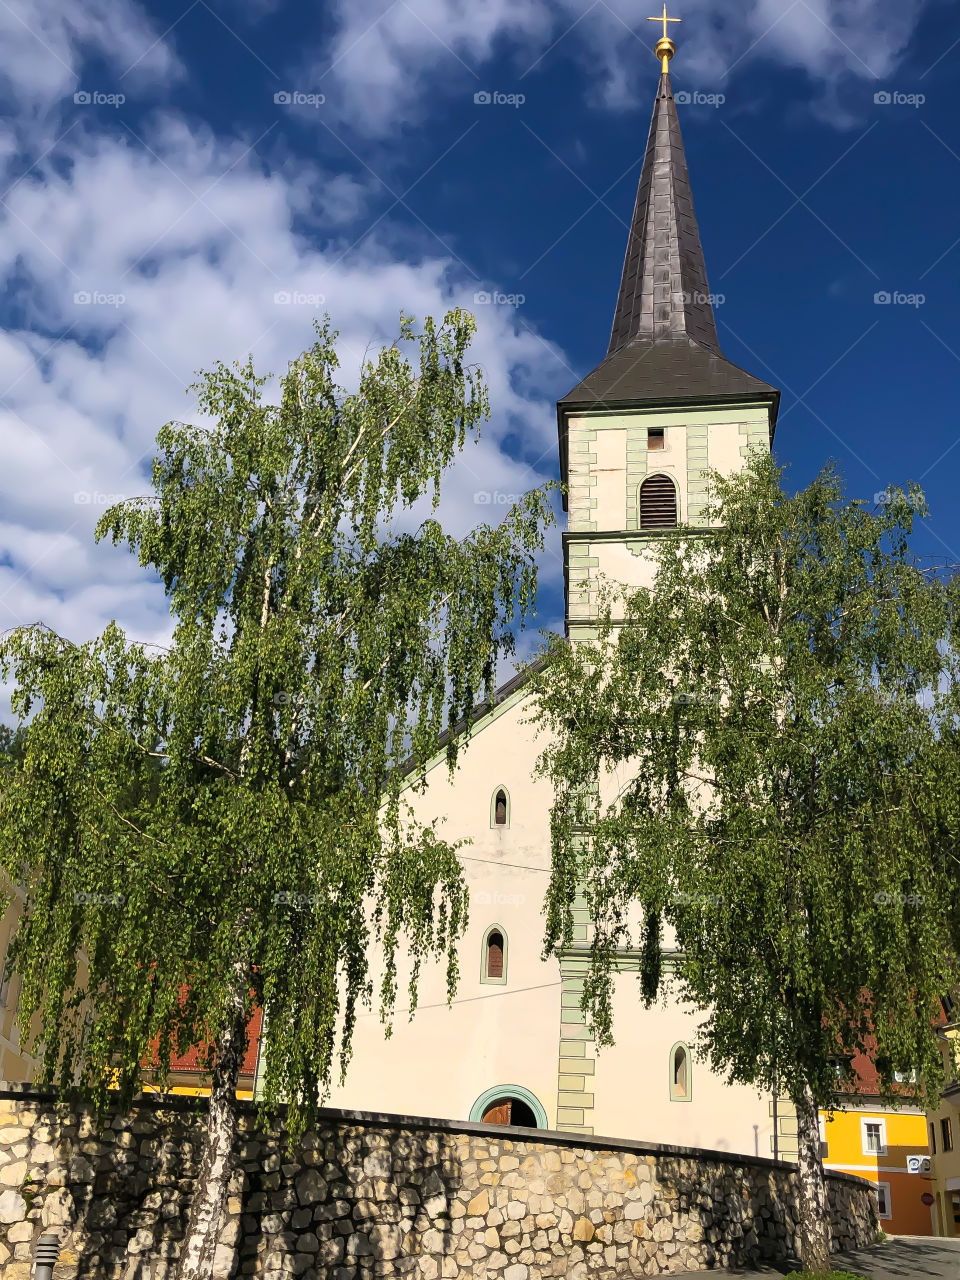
(664, 345)
(472, 723)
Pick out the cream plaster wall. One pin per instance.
(443, 1060)
(610, 473)
(633, 1083)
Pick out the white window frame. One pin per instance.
(886, 1195)
(883, 1136)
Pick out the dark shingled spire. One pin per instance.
(664, 347)
(663, 290)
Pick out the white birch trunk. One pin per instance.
(814, 1224)
(198, 1252)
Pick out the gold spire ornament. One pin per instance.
(665, 48)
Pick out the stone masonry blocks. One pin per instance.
(360, 1197)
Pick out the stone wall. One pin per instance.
(364, 1196)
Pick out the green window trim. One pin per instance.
(509, 1091)
(687, 1095)
(496, 982)
(501, 826)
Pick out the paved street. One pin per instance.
(900, 1258)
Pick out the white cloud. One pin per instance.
(391, 62)
(79, 413)
(45, 42)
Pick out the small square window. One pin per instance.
(655, 438)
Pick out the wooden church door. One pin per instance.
(498, 1112)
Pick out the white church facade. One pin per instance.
(636, 439)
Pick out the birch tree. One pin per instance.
(783, 705)
(219, 825)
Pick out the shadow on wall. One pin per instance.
(364, 1196)
(348, 1196)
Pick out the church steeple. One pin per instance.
(663, 346)
(663, 289)
(641, 434)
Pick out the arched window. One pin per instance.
(509, 1104)
(681, 1085)
(658, 503)
(500, 808)
(493, 962)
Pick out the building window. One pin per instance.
(655, 438)
(946, 1134)
(509, 1104)
(883, 1200)
(494, 958)
(933, 1140)
(874, 1133)
(680, 1081)
(500, 808)
(658, 503)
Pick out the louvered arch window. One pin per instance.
(658, 503)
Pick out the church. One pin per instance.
(636, 439)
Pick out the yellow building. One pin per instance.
(869, 1138)
(944, 1132)
(873, 1141)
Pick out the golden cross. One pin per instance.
(664, 19)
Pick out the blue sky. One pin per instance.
(190, 210)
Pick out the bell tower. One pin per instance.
(639, 434)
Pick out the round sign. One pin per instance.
(926, 1198)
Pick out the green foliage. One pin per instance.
(223, 820)
(775, 733)
(829, 1275)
